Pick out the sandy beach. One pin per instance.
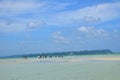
(93, 67)
(65, 59)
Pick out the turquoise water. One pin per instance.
(61, 71)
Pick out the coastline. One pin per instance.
(83, 58)
(90, 67)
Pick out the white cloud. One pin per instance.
(19, 11)
(90, 19)
(92, 14)
(58, 37)
(16, 7)
(8, 7)
(11, 27)
(89, 14)
(35, 24)
(92, 32)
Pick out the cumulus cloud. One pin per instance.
(92, 32)
(58, 37)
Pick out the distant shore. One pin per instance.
(63, 53)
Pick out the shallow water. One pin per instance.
(85, 70)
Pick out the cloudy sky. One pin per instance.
(35, 26)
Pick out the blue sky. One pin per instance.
(36, 26)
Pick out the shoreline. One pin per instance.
(94, 58)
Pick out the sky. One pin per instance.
(39, 26)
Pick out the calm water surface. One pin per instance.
(88, 70)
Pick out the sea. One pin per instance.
(67, 68)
